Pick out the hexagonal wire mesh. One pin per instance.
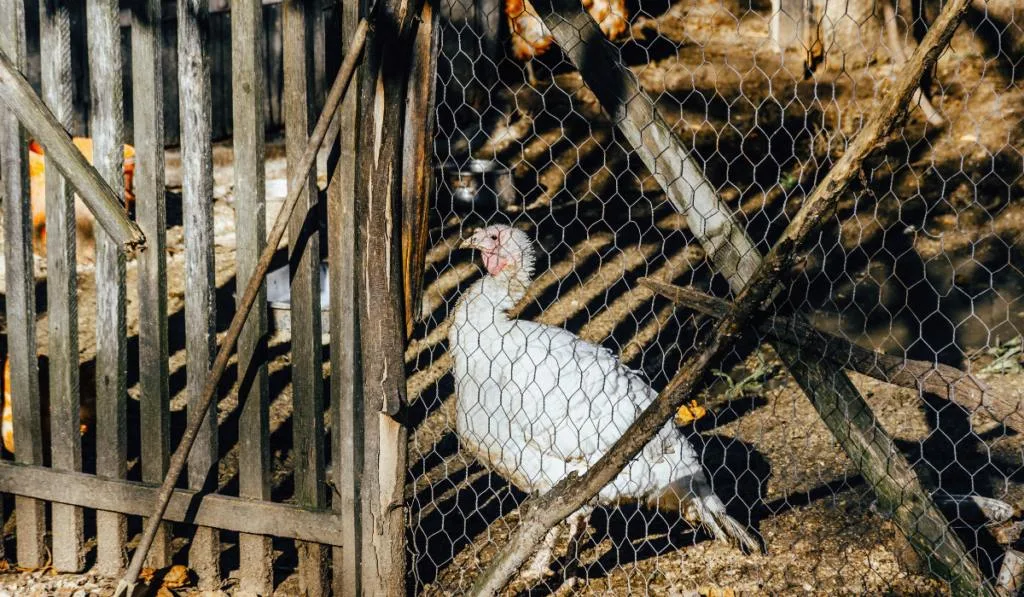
(922, 263)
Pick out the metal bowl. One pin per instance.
(279, 299)
(483, 186)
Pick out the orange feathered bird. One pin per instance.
(531, 37)
(83, 218)
(86, 412)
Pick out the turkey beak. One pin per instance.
(469, 243)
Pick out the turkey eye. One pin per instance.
(494, 237)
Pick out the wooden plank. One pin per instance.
(107, 128)
(248, 91)
(21, 305)
(151, 214)
(418, 159)
(304, 257)
(242, 515)
(346, 432)
(96, 194)
(200, 306)
(382, 94)
(61, 286)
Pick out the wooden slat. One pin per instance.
(21, 306)
(346, 432)
(248, 92)
(417, 165)
(151, 214)
(107, 127)
(61, 285)
(136, 499)
(304, 257)
(382, 87)
(200, 307)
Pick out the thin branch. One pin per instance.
(573, 492)
(938, 379)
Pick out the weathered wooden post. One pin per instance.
(300, 103)
(248, 90)
(345, 387)
(200, 301)
(21, 304)
(61, 287)
(107, 125)
(151, 215)
(382, 93)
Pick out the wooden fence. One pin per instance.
(218, 52)
(104, 494)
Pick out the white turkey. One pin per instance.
(535, 402)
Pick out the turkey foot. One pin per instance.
(540, 565)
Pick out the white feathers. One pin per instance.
(536, 402)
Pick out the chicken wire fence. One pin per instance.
(913, 288)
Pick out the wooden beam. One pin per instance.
(107, 128)
(382, 94)
(635, 114)
(923, 376)
(346, 384)
(896, 486)
(151, 214)
(20, 275)
(417, 165)
(243, 515)
(304, 261)
(200, 269)
(255, 552)
(97, 195)
(61, 286)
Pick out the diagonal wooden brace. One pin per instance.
(97, 195)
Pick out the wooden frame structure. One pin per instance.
(335, 530)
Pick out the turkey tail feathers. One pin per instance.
(700, 506)
(736, 532)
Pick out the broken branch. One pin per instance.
(938, 379)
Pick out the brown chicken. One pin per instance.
(86, 412)
(531, 38)
(83, 218)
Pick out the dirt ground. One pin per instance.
(929, 268)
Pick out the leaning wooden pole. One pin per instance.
(180, 457)
(17, 93)
(573, 492)
(378, 193)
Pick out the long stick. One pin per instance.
(295, 187)
(97, 195)
(573, 492)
